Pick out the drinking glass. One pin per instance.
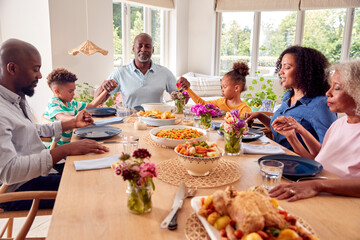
(130, 144)
(271, 173)
(188, 117)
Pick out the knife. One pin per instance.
(110, 142)
(178, 201)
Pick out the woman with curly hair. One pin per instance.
(340, 152)
(232, 85)
(303, 71)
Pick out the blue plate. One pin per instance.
(101, 112)
(295, 166)
(251, 135)
(97, 132)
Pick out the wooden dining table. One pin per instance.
(92, 204)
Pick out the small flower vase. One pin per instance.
(205, 121)
(180, 106)
(232, 143)
(139, 198)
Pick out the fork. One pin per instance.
(191, 192)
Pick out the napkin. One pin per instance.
(261, 149)
(98, 163)
(108, 121)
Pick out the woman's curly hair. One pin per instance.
(60, 76)
(238, 74)
(350, 74)
(311, 74)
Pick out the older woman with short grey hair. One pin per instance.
(340, 152)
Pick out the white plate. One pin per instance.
(157, 122)
(213, 233)
(174, 142)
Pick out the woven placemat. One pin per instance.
(194, 230)
(131, 119)
(171, 171)
(147, 139)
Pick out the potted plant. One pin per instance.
(263, 96)
(85, 93)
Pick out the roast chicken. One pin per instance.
(251, 210)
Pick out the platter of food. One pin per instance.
(157, 118)
(232, 214)
(173, 135)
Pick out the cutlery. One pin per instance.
(105, 142)
(178, 201)
(189, 194)
(305, 178)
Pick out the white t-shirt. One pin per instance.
(340, 151)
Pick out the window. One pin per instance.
(320, 29)
(128, 22)
(355, 38)
(277, 32)
(236, 32)
(324, 30)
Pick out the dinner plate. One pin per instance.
(295, 166)
(251, 135)
(97, 132)
(101, 112)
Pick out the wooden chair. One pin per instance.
(30, 215)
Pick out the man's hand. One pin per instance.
(183, 83)
(108, 85)
(83, 119)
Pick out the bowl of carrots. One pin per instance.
(173, 135)
(199, 157)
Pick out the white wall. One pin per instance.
(54, 27)
(29, 21)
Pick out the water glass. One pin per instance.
(130, 144)
(271, 172)
(188, 118)
(123, 111)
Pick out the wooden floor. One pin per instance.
(39, 228)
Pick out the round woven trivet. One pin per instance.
(194, 230)
(147, 139)
(133, 118)
(171, 171)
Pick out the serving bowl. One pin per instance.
(174, 142)
(199, 166)
(157, 121)
(158, 106)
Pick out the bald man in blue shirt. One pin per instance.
(141, 81)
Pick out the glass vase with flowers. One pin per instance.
(139, 175)
(181, 98)
(206, 112)
(234, 127)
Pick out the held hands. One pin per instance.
(286, 125)
(183, 83)
(108, 85)
(295, 191)
(250, 117)
(83, 119)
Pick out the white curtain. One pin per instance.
(256, 5)
(166, 4)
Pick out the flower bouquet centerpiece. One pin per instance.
(234, 127)
(181, 98)
(206, 112)
(139, 175)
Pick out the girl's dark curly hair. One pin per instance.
(311, 74)
(238, 74)
(60, 76)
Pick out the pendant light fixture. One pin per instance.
(87, 47)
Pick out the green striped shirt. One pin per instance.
(56, 106)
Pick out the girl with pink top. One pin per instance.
(340, 151)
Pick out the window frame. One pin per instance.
(164, 28)
(299, 32)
